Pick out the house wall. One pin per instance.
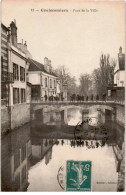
(58, 87)
(54, 85)
(34, 78)
(4, 48)
(5, 119)
(4, 63)
(65, 92)
(20, 112)
(28, 94)
(48, 90)
(17, 83)
(118, 77)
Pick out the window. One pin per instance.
(23, 153)
(23, 174)
(2, 62)
(15, 72)
(46, 82)
(22, 95)
(22, 74)
(15, 95)
(17, 182)
(16, 160)
(50, 83)
(54, 83)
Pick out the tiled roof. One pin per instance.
(29, 84)
(36, 66)
(121, 62)
(3, 26)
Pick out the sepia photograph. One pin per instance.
(62, 96)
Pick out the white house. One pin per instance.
(119, 73)
(17, 64)
(42, 78)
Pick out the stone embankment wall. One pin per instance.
(5, 119)
(120, 115)
(20, 114)
(14, 116)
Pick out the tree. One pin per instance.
(104, 75)
(84, 84)
(63, 72)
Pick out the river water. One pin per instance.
(32, 155)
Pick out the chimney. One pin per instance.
(9, 35)
(25, 46)
(50, 66)
(120, 50)
(15, 22)
(49, 62)
(25, 43)
(13, 32)
(46, 64)
(45, 61)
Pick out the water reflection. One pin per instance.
(41, 149)
(35, 152)
(15, 155)
(47, 180)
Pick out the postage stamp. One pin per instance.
(78, 176)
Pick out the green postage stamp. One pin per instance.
(78, 176)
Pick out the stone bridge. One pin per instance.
(116, 108)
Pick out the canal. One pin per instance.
(33, 155)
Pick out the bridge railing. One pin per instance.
(112, 100)
(77, 102)
(120, 100)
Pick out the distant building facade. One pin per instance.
(43, 80)
(117, 91)
(119, 73)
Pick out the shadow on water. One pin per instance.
(15, 155)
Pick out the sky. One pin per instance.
(74, 39)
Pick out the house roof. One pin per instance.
(121, 61)
(29, 84)
(36, 66)
(3, 26)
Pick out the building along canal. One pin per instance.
(36, 151)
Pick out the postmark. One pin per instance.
(90, 128)
(61, 178)
(78, 175)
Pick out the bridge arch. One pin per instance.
(103, 107)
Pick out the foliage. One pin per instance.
(90, 84)
(85, 82)
(63, 73)
(104, 75)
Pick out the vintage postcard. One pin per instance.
(63, 95)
